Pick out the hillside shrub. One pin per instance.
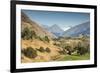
(41, 49)
(48, 50)
(62, 52)
(29, 52)
(27, 33)
(47, 39)
(69, 49)
(81, 50)
(59, 45)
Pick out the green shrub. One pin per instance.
(88, 48)
(48, 50)
(62, 52)
(40, 38)
(81, 50)
(36, 48)
(43, 38)
(41, 49)
(27, 33)
(69, 49)
(29, 52)
(54, 44)
(57, 44)
(47, 39)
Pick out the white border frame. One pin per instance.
(20, 65)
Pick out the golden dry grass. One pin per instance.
(41, 56)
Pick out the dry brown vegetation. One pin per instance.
(55, 49)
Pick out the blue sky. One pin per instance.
(62, 19)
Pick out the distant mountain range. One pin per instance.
(55, 29)
(83, 29)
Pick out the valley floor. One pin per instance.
(60, 58)
(74, 57)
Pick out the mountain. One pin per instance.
(32, 25)
(81, 29)
(55, 29)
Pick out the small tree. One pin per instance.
(48, 50)
(47, 39)
(29, 52)
(81, 50)
(25, 32)
(88, 48)
(28, 34)
(68, 48)
(40, 38)
(33, 34)
(41, 49)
